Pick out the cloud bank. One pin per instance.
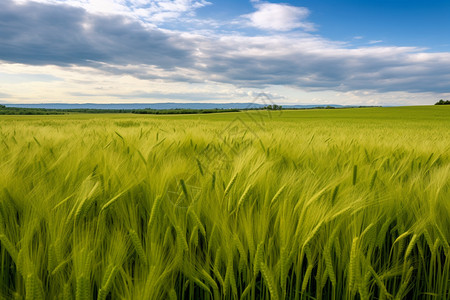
(45, 33)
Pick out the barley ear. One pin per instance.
(136, 241)
(154, 212)
(270, 282)
(258, 258)
(10, 248)
(230, 185)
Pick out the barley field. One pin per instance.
(314, 204)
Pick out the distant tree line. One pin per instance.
(4, 110)
(442, 102)
(273, 107)
(324, 107)
(181, 111)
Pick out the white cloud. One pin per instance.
(278, 17)
(149, 11)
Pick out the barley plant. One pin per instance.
(338, 204)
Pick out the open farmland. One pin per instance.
(317, 204)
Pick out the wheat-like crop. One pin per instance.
(319, 204)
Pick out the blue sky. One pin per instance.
(376, 52)
(396, 22)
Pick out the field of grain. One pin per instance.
(317, 204)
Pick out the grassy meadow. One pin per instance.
(312, 204)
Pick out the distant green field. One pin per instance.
(308, 204)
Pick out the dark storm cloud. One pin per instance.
(41, 34)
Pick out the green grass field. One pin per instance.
(313, 204)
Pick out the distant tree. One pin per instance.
(442, 102)
(2, 106)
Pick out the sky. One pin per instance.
(348, 52)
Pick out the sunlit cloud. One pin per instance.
(153, 11)
(278, 17)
